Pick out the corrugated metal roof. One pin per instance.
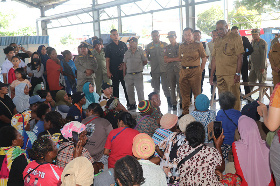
(24, 40)
(39, 3)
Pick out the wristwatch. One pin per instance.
(238, 74)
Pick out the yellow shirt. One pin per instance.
(225, 51)
(190, 54)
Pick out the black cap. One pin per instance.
(171, 34)
(83, 45)
(95, 42)
(3, 85)
(77, 96)
(134, 39)
(105, 85)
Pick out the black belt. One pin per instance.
(133, 73)
(189, 67)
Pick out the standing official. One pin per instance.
(101, 73)
(274, 59)
(173, 67)
(86, 67)
(209, 52)
(190, 53)
(134, 61)
(155, 53)
(227, 61)
(258, 58)
(275, 40)
(248, 49)
(114, 54)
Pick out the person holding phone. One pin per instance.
(75, 133)
(229, 118)
(207, 162)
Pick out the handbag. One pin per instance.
(62, 80)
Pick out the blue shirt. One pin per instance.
(72, 65)
(228, 126)
(39, 127)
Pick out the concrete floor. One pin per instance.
(164, 107)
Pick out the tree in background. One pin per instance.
(260, 5)
(206, 21)
(67, 40)
(241, 17)
(7, 27)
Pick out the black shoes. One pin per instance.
(132, 107)
(169, 102)
(174, 107)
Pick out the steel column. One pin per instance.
(190, 13)
(96, 19)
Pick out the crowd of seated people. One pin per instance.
(51, 137)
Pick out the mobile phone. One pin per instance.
(75, 137)
(217, 129)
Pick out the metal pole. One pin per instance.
(226, 10)
(119, 19)
(44, 25)
(181, 19)
(96, 20)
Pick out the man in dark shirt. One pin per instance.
(24, 54)
(76, 111)
(7, 107)
(114, 55)
(248, 51)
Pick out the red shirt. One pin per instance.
(239, 170)
(11, 75)
(53, 72)
(45, 175)
(121, 145)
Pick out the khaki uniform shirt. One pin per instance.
(172, 52)
(274, 57)
(210, 47)
(155, 55)
(134, 62)
(83, 63)
(275, 40)
(225, 51)
(258, 57)
(190, 54)
(101, 60)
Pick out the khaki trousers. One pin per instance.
(100, 78)
(190, 79)
(255, 75)
(156, 77)
(173, 80)
(81, 82)
(136, 81)
(226, 83)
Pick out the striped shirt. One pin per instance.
(159, 135)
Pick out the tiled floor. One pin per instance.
(164, 107)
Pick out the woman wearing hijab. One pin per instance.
(62, 103)
(21, 123)
(36, 88)
(13, 159)
(21, 100)
(251, 155)
(79, 171)
(91, 96)
(42, 50)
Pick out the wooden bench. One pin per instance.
(262, 88)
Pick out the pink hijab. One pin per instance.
(253, 153)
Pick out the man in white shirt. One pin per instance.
(7, 65)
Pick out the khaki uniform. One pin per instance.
(101, 72)
(275, 40)
(134, 76)
(274, 58)
(155, 55)
(258, 61)
(190, 78)
(225, 51)
(82, 64)
(172, 70)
